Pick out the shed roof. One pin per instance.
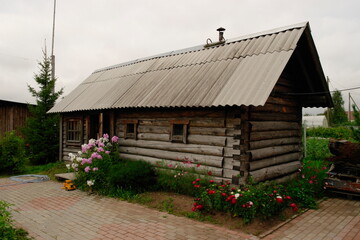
(241, 71)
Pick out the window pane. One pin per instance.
(178, 129)
(130, 128)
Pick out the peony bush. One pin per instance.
(94, 161)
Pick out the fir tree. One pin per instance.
(42, 129)
(337, 113)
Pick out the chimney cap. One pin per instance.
(220, 29)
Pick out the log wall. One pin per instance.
(273, 144)
(210, 138)
(12, 116)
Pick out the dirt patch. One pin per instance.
(181, 205)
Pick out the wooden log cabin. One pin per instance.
(234, 106)
(13, 116)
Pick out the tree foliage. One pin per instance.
(42, 130)
(337, 113)
(356, 131)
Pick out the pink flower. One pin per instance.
(107, 152)
(115, 139)
(87, 169)
(170, 165)
(95, 169)
(106, 136)
(100, 149)
(311, 182)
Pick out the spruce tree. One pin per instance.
(337, 113)
(42, 129)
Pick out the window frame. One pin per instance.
(78, 131)
(129, 135)
(179, 138)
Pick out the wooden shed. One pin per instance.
(13, 116)
(234, 106)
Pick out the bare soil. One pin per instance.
(181, 205)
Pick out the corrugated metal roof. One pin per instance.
(241, 71)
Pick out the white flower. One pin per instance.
(68, 166)
(251, 203)
(72, 156)
(79, 159)
(90, 182)
(239, 190)
(232, 193)
(237, 195)
(74, 165)
(80, 152)
(92, 141)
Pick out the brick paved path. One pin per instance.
(47, 212)
(336, 219)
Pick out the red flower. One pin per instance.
(279, 199)
(233, 201)
(194, 182)
(288, 197)
(244, 206)
(311, 182)
(293, 205)
(223, 194)
(274, 191)
(198, 179)
(197, 186)
(211, 192)
(295, 209)
(209, 173)
(223, 185)
(193, 209)
(233, 189)
(211, 181)
(198, 165)
(199, 206)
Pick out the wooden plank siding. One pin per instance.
(12, 117)
(274, 144)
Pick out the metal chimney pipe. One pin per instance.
(221, 34)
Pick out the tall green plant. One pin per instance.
(42, 129)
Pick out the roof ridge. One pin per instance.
(201, 47)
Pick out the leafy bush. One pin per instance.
(133, 175)
(317, 149)
(12, 153)
(7, 231)
(177, 178)
(336, 132)
(261, 200)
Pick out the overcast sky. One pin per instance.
(91, 34)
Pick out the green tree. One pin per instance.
(337, 113)
(42, 130)
(356, 131)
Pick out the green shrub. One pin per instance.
(336, 132)
(178, 178)
(7, 231)
(12, 153)
(133, 175)
(317, 149)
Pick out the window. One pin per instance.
(73, 131)
(130, 128)
(178, 130)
